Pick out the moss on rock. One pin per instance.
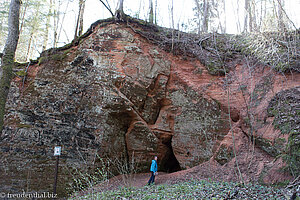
(276, 49)
(21, 73)
(224, 155)
(272, 149)
(284, 107)
(261, 90)
(292, 154)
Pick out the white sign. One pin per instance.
(57, 151)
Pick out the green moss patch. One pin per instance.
(261, 89)
(224, 154)
(276, 49)
(284, 107)
(58, 57)
(24, 126)
(270, 148)
(21, 73)
(292, 154)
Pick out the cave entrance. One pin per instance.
(169, 163)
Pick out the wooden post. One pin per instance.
(55, 177)
(57, 151)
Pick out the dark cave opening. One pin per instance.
(169, 163)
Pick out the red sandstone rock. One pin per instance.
(117, 95)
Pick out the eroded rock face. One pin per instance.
(198, 126)
(117, 96)
(96, 100)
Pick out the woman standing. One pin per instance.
(153, 170)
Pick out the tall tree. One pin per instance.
(34, 27)
(155, 13)
(34, 23)
(81, 18)
(23, 16)
(262, 14)
(206, 13)
(9, 55)
(46, 34)
(253, 16)
(205, 16)
(173, 25)
(224, 10)
(246, 15)
(250, 24)
(281, 24)
(119, 15)
(55, 21)
(62, 22)
(198, 15)
(4, 8)
(151, 14)
(237, 16)
(79, 23)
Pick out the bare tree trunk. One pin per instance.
(219, 12)
(198, 15)
(29, 45)
(121, 5)
(81, 18)
(246, 15)
(155, 13)
(79, 23)
(9, 55)
(47, 29)
(205, 16)
(262, 14)
(172, 15)
(151, 15)
(33, 30)
(224, 8)
(285, 16)
(173, 27)
(237, 15)
(281, 24)
(253, 9)
(202, 19)
(137, 15)
(55, 22)
(119, 16)
(250, 18)
(23, 17)
(62, 21)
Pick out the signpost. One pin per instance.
(57, 152)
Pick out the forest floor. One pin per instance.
(184, 184)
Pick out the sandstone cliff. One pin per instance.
(114, 93)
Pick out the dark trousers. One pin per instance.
(151, 180)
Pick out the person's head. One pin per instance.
(155, 158)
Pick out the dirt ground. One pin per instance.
(204, 171)
(210, 170)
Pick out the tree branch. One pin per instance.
(112, 14)
(286, 14)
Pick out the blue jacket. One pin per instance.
(153, 167)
